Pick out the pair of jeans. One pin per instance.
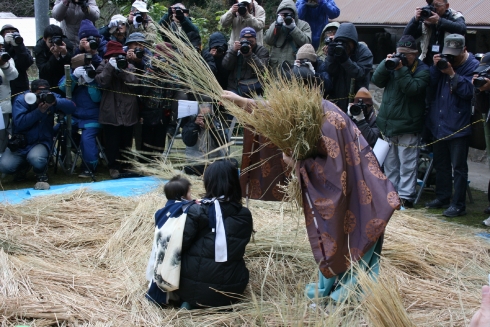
(37, 157)
(451, 159)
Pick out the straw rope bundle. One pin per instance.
(81, 260)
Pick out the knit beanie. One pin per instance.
(113, 48)
(406, 44)
(306, 52)
(364, 95)
(87, 29)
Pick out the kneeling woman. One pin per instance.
(215, 236)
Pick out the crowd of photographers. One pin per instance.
(428, 88)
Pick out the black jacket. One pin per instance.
(200, 276)
(217, 39)
(23, 60)
(51, 68)
(369, 129)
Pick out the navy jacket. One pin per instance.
(96, 59)
(37, 127)
(451, 111)
(317, 16)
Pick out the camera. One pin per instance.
(358, 107)
(56, 39)
(220, 50)
(81, 3)
(46, 96)
(288, 18)
(4, 56)
(93, 42)
(179, 12)
(139, 52)
(17, 38)
(87, 65)
(443, 62)
(121, 61)
(427, 12)
(328, 41)
(17, 142)
(138, 17)
(245, 47)
(242, 8)
(394, 61)
(339, 47)
(480, 80)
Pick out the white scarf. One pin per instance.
(220, 246)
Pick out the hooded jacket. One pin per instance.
(255, 20)
(203, 281)
(317, 16)
(357, 66)
(285, 42)
(72, 15)
(8, 73)
(217, 39)
(403, 105)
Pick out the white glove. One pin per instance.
(310, 66)
(357, 117)
(280, 20)
(135, 24)
(290, 26)
(78, 72)
(85, 79)
(9, 39)
(113, 62)
(113, 23)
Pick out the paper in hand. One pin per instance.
(187, 108)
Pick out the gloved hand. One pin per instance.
(78, 72)
(342, 57)
(113, 23)
(9, 39)
(357, 118)
(297, 63)
(290, 26)
(136, 24)
(279, 20)
(331, 50)
(113, 62)
(85, 79)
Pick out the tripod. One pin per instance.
(59, 149)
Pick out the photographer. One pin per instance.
(32, 137)
(137, 52)
(14, 46)
(116, 30)
(365, 118)
(71, 13)
(347, 59)
(139, 21)
(86, 96)
(433, 23)
(404, 78)
(8, 73)
(286, 35)
(119, 109)
(317, 13)
(241, 60)
(450, 111)
(327, 36)
(214, 55)
(90, 42)
(177, 19)
(52, 53)
(244, 13)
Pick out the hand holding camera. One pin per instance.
(280, 20)
(45, 100)
(236, 46)
(443, 63)
(395, 61)
(291, 25)
(356, 110)
(481, 80)
(14, 39)
(242, 8)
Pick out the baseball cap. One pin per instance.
(484, 63)
(248, 31)
(247, 1)
(331, 25)
(140, 5)
(453, 44)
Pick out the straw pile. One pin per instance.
(80, 260)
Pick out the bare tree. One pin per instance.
(20, 8)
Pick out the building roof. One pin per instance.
(399, 12)
(26, 27)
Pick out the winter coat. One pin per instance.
(37, 127)
(190, 30)
(255, 20)
(317, 16)
(320, 55)
(358, 66)
(117, 108)
(156, 103)
(87, 100)
(369, 129)
(97, 58)
(285, 42)
(448, 23)
(23, 60)
(201, 278)
(403, 105)
(217, 39)
(8, 73)
(72, 15)
(148, 29)
(50, 68)
(451, 111)
(199, 142)
(242, 67)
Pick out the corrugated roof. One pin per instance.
(399, 12)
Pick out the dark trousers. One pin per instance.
(117, 138)
(449, 156)
(154, 136)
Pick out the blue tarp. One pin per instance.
(116, 187)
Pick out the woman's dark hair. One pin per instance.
(176, 188)
(52, 30)
(221, 178)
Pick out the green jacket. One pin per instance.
(403, 105)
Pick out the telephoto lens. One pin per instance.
(288, 19)
(392, 63)
(242, 8)
(57, 40)
(46, 96)
(245, 47)
(339, 48)
(140, 53)
(443, 62)
(121, 62)
(17, 38)
(4, 56)
(93, 43)
(138, 17)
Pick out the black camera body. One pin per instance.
(288, 18)
(328, 41)
(87, 65)
(138, 17)
(17, 38)
(427, 12)
(139, 52)
(4, 56)
(121, 61)
(46, 96)
(245, 47)
(220, 50)
(394, 61)
(480, 80)
(242, 8)
(17, 142)
(358, 107)
(93, 42)
(56, 39)
(179, 11)
(339, 47)
(443, 62)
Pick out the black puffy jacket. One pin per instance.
(200, 275)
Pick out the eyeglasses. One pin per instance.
(330, 32)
